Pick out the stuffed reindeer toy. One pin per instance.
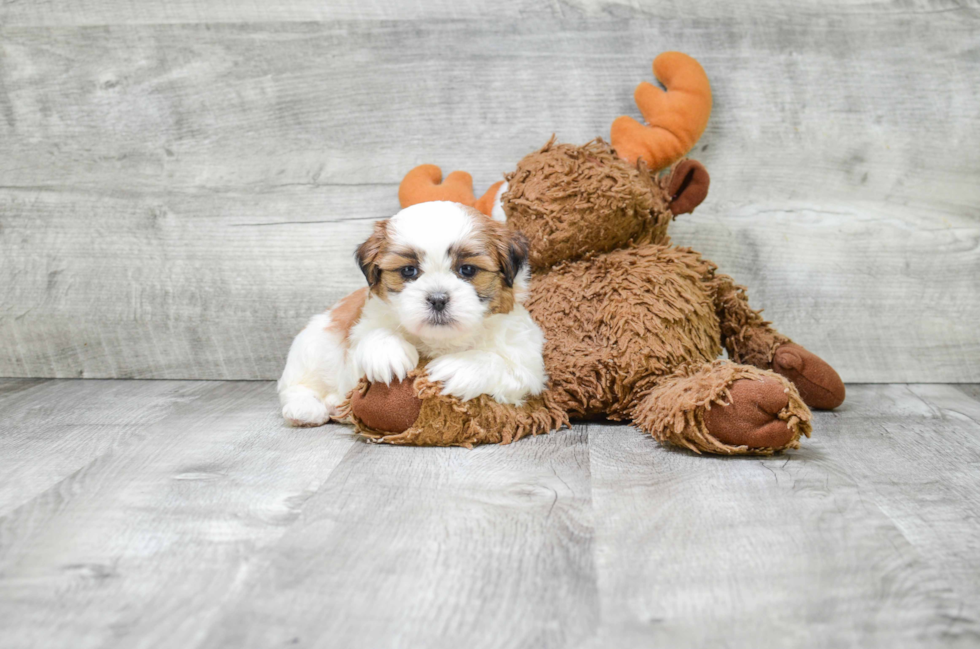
(633, 325)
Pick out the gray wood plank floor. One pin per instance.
(184, 514)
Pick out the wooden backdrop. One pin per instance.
(182, 183)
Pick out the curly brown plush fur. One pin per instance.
(633, 325)
(556, 194)
(644, 318)
(748, 338)
(447, 421)
(615, 323)
(675, 410)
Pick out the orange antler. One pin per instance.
(677, 117)
(424, 183)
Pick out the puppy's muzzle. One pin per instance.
(438, 301)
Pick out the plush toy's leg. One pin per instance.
(414, 412)
(751, 340)
(724, 407)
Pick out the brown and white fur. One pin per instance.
(445, 283)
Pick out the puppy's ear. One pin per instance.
(512, 251)
(368, 252)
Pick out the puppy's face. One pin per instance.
(444, 267)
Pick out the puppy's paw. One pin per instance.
(461, 375)
(305, 410)
(383, 359)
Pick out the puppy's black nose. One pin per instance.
(438, 301)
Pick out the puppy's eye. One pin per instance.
(409, 272)
(467, 270)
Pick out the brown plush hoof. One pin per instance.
(387, 408)
(818, 384)
(752, 417)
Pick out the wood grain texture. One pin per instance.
(143, 143)
(432, 548)
(142, 543)
(51, 430)
(130, 12)
(191, 517)
(47, 13)
(837, 544)
(917, 458)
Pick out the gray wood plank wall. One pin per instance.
(182, 183)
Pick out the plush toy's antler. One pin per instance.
(677, 117)
(424, 183)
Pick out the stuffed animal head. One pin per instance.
(571, 201)
(574, 200)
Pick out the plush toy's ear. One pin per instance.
(424, 183)
(676, 118)
(368, 252)
(687, 186)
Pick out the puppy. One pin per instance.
(445, 283)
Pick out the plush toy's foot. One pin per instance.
(818, 383)
(725, 408)
(751, 415)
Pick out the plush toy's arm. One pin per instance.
(751, 340)
(415, 412)
(746, 336)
